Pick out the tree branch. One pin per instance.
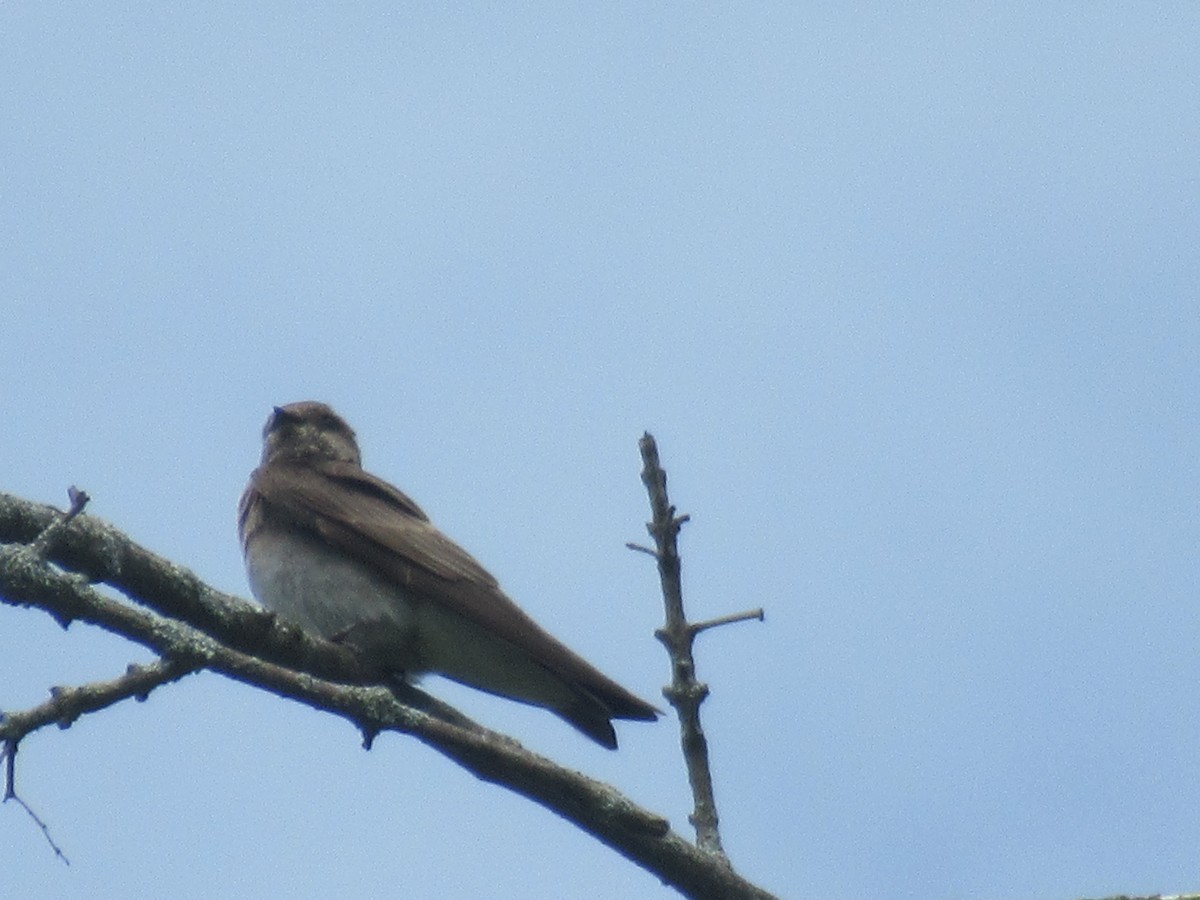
(684, 692)
(194, 626)
(101, 553)
(66, 704)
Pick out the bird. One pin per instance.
(349, 557)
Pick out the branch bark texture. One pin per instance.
(684, 692)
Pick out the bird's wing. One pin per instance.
(371, 520)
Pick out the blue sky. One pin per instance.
(909, 299)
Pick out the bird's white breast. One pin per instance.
(318, 587)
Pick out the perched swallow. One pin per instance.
(347, 556)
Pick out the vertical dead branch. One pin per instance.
(684, 693)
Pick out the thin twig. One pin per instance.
(746, 616)
(9, 756)
(684, 692)
(66, 704)
(44, 541)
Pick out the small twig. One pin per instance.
(44, 827)
(746, 616)
(66, 704)
(44, 541)
(641, 549)
(9, 755)
(684, 692)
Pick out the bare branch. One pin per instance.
(746, 616)
(8, 756)
(101, 553)
(66, 704)
(229, 636)
(684, 692)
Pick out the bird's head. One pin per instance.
(308, 432)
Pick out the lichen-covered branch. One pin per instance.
(101, 553)
(66, 704)
(193, 626)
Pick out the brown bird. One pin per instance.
(346, 555)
